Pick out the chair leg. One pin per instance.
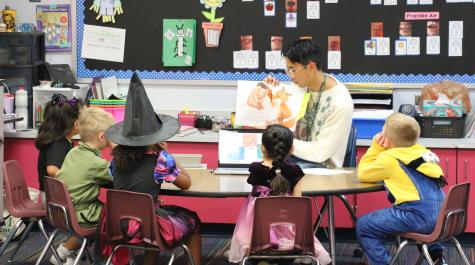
(244, 261)
(460, 250)
(321, 213)
(398, 251)
(43, 231)
(48, 245)
(172, 258)
(10, 236)
(80, 252)
(425, 250)
(22, 239)
(188, 253)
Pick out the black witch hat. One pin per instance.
(141, 125)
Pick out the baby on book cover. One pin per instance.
(259, 104)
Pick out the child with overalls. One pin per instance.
(413, 180)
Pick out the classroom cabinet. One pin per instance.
(448, 163)
(466, 173)
(458, 166)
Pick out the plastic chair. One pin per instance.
(451, 221)
(62, 215)
(278, 210)
(20, 205)
(124, 206)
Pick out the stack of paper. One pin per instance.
(179, 42)
(470, 125)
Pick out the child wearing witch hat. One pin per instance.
(141, 164)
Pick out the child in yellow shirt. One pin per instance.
(413, 180)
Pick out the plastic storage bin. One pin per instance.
(442, 127)
(117, 113)
(21, 48)
(367, 128)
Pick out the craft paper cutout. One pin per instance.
(213, 5)
(179, 42)
(107, 9)
(212, 29)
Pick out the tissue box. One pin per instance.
(432, 109)
(188, 118)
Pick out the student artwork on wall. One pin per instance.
(416, 43)
(55, 22)
(259, 104)
(179, 42)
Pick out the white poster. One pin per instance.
(103, 43)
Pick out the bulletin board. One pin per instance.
(349, 19)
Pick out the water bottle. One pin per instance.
(21, 108)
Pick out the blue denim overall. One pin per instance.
(373, 229)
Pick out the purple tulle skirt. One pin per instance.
(282, 234)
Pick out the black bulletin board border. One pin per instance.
(360, 68)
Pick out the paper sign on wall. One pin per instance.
(103, 43)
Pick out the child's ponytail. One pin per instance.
(279, 183)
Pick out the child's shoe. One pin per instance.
(65, 255)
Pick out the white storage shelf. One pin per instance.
(41, 95)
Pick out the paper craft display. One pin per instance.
(383, 46)
(291, 5)
(433, 45)
(433, 28)
(246, 59)
(212, 29)
(258, 104)
(313, 9)
(334, 52)
(275, 60)
(405, 28)
(377, 29)
(179, 42)
(246, 42)
(291, 20)
(413, 45)
(55, 22)
(400, 47)
(107, 9)
(269, 8)
(276, 43)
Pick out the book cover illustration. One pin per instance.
(259, 104)
(55, 22)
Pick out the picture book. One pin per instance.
(55, 22)
(259, 104)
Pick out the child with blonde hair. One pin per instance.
(84, 171)
(413, 180)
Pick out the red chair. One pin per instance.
(62, 215)
(139, 206)
(20, 205)
(451, 222)
(277, 210)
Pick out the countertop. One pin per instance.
(209, 136)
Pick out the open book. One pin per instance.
(258, 104)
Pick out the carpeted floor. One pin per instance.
(216, 240)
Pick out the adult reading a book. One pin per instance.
(322, 133)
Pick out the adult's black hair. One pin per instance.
(304, 51)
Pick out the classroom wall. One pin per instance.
(173, 95)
